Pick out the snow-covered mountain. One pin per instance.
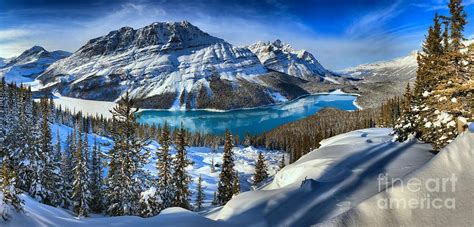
(166, 65)
(382, 80)
(29, 64)
(3, 61)
(283, 58)
(403, 68)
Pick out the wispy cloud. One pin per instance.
(12, 34)
(373, 21)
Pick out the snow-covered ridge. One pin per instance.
(283, 58)
(162, 36)
(406, 64)
(447, 204)
(29, 64)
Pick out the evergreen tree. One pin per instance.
(9, 189)
(164, 167)
(260, 170)
(80, 187)
(236, 184)
(199, 194)
(406, 123)
(96, 202)
(150, 203)
(49, 174)
(451, 84)
(429, 67)
(67, 175)
(181, 178)
(225, 188)
(127, 157)
(3, 115)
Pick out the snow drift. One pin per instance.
(455, 160)
(339, 175)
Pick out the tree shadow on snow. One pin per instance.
(305, 206)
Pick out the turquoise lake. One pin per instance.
(253, 120)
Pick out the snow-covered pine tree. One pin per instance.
(127, 157)
(429, 67)
(67, 176)
(405, 125)
(56, 165)
(449, 88)
(165, 168)
(10, 189)
(199, 194)
(260, 170)
(49, 175)
(26, 144)
(96, 202)
(80, 186)
(3, 114)
(150, 203)
(225, 188)
(181, 178)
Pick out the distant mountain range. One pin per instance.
(382, 80)
(178, 66)
(31, 63)
(403, 68)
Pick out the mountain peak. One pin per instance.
(158, 35)
(32, 51)
(281, 57)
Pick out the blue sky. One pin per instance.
(340, 33)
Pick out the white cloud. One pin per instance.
(10, 34)
(374, 20)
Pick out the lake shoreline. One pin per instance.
(336, 92)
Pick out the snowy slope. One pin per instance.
(37, 214)
(341, 189)
(342, 173)
(454, 160)
(283, 58)
(87, 107)
(29, 64)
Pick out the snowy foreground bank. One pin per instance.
(342, 188)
